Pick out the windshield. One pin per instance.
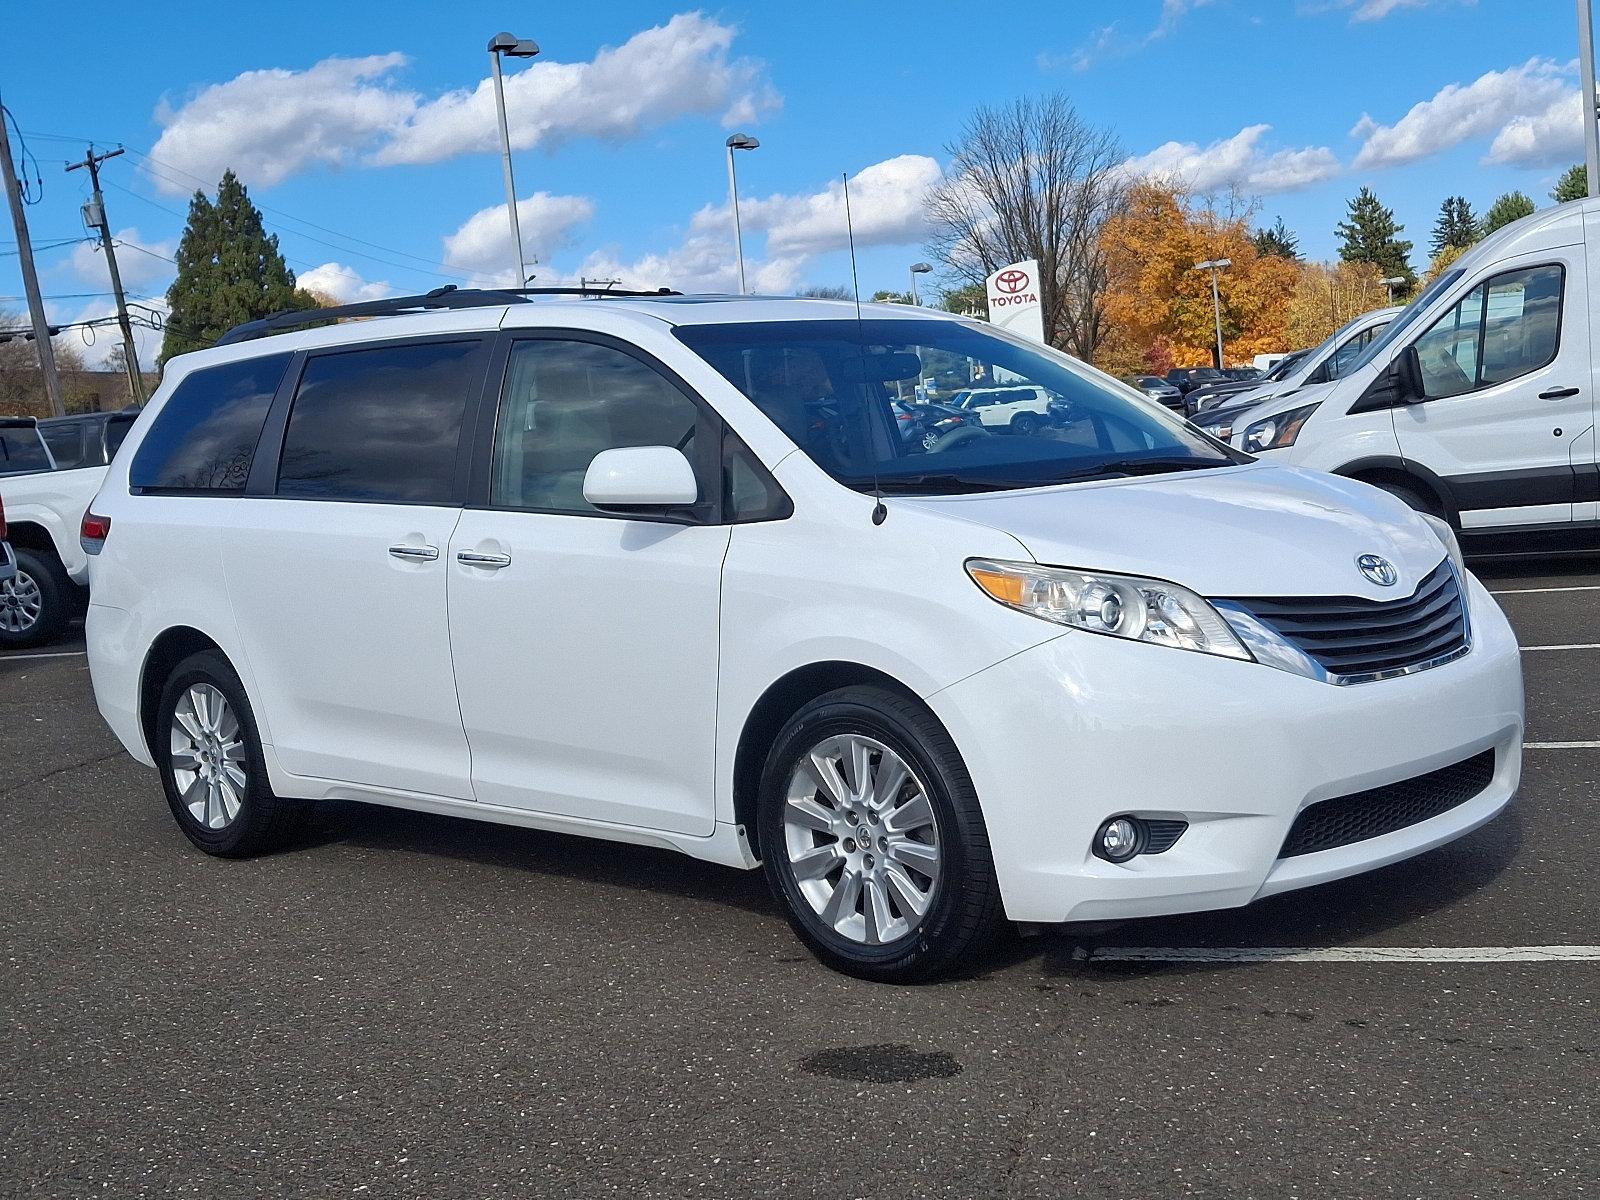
(1283, 366)
(1034, 417)
(1406, 319)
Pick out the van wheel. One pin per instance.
(873, 840)
(209, 755)
(1415, 499)
(36, 603)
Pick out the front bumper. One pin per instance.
(1082, 728)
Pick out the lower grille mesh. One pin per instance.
(1346, 820)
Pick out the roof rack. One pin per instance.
(445, 297)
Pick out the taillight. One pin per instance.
(92, 533)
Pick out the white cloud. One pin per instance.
(1110, 42)
(141, 263)
(482, 247)
(886, 208)
(343, 283)
(269, 125)
(1552, 137)
(1237, 161)
(670, 71)
(1458, 112)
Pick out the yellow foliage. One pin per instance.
(1159, 308)
(1326, 297)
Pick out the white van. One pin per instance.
(661, 569)
(1477, 403)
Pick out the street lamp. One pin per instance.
(739, 141)
(1214, 265)
(1391, 282)
(511, 46)
(917, 269)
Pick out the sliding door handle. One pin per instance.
(1558, 393)
(477, 558)
(415, 553)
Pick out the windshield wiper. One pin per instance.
(930, 482)
(1128, 466)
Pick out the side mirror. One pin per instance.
(1408, 375)
(640, 479)
(1398, 383)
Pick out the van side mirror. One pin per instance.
(640, 479)
(1399, 383)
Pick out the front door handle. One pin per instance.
(415, 553)
(477, 558)
(1558, 393)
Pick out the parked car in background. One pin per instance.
(86, 439)
(45, 509)
(1020, 409)
(1186, 379)
(1157, 389)
(1476, 404)
(606, 566)
(22, 450)
(927, 423)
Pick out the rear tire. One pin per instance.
(1026, 424)
(36, 605)
(1414, 498)
(873, 840)
(208, 752)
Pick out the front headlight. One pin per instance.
(1276, 432)
(1124, 606)
(1452, 545)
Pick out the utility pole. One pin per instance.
(30, 278)
(94, 214)
(1591, 131)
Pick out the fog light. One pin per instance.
(1119, 839)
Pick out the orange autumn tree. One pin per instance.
(1158, 307)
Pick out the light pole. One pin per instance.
(1214, 265)
(739, 141)
(1391, 282)
(1591, 132)
(917, 269)
(512, 47)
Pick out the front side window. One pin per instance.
(566, 401)
(380, 424)
(831, 386)
(204, 438)
(1504, 328)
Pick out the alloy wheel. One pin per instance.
(862, 840)
(21, 602)
(207, 756)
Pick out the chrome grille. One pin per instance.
(1356, 639)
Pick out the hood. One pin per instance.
(1269, 406)
(1254, 530)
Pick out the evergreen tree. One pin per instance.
(229, 270)
(1457, 226)
(1513, 206)
(1573, 184)
(1372, 235)
(1277, 240)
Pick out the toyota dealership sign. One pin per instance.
(1014, 299)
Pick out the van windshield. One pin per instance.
(1013, 415)
(1405, 320)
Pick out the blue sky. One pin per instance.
(359, 128)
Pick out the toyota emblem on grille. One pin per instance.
(1380, 570)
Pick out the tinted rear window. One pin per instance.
(204, 437)
(380, 424)
(67, 444)
(21, 450)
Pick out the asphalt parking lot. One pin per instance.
(410, 1005)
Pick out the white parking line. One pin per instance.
(1561, 745)
(1586, 587)
(1570, 646)
(1346, 954)
(52, 654)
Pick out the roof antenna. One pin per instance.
(879, 510)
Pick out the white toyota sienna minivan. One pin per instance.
(663, 569)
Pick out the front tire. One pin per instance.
(873, 840)
(1411, 497)
(37, 603)
(208, 751)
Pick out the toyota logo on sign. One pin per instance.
(1011, 281)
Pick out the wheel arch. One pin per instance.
(170, 648)
(30, 535)
(1383, 468)
(782, 699)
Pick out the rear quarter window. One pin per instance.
(204, 438)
